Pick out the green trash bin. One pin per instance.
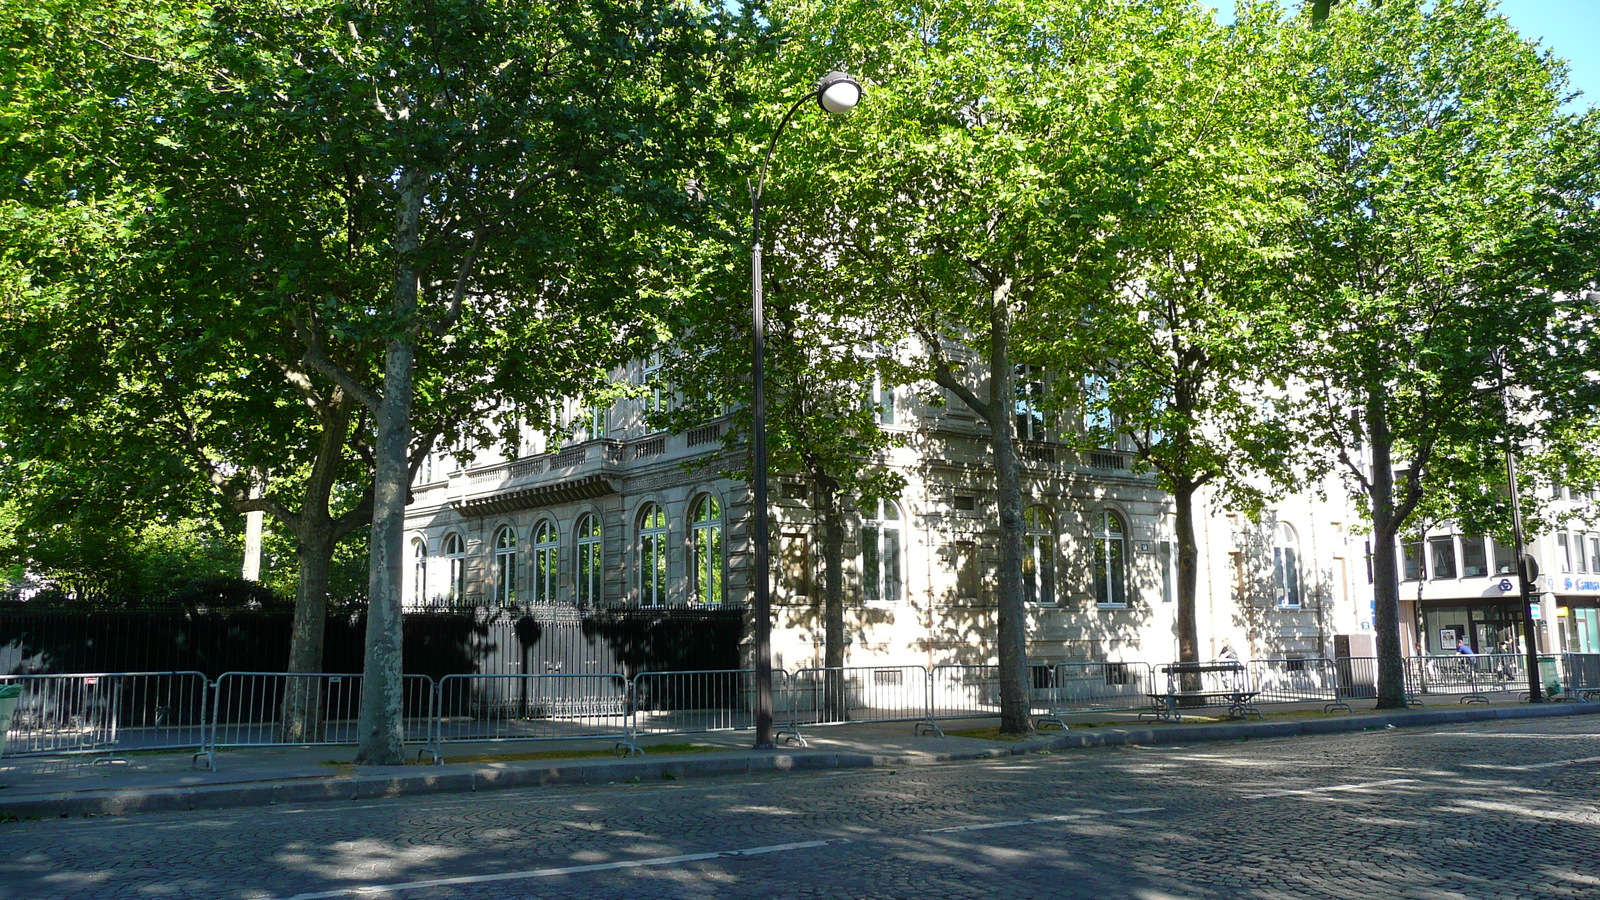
(1550, 677)
(9, 695)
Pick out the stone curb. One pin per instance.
(308, 789)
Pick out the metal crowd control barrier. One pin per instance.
(1357, 679)
(1097, 687)
(832, 696)
(973, 692)
(1582, 674)
(1313, 680)
(247, 710)
(553, 707)
(107, 712)
(1472, 676)
(704, 700)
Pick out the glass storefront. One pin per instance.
(1582, 627)
(1487, 628)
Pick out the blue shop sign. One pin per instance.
(1583, 587)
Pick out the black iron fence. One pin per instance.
(528, 641)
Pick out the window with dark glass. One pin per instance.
(1411, 560)
(1442, 556)
(1474, 561)
(590, 547)
(1039, 557)
(706, 528)
(1110, 560)
(545, 546)
(1028, 387)
(1505, 559)
(1286, 566)
(505, 567)
(455, 554)
(652, 556)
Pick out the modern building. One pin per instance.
(1459, 586)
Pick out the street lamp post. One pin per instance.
(836, 93)
(1524, 562)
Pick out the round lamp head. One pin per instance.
(838, 93)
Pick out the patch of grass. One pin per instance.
(990, 734)
(655, 749)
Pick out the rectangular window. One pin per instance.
(1594, 553)
(1505, 560)
(1474, 562)
(871, 565)
(1286, 576)
(893, 587)
(1442, 556)
(879, 399)
(597, 422)
(1410, 560)
(1563, 552)
(1580, 562)
(1028, 386)
(656, 400)
(1097, 419)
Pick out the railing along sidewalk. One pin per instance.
(1097, 687)
(549, 707)
(106, 713)
(837, 695)
(695, 702)
(973, 692)
(248, 710)
(1304, 680)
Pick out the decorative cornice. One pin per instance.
(585, 488)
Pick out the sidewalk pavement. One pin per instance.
(151, 781)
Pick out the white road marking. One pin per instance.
(1336, 787)
(1043, 820)
(1534, 766)
(372, 889)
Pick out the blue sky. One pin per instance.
(1569, 27)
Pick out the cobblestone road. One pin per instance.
(1476, 811)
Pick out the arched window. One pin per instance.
(1286, 566)
(590, 560)
(545, 545)
(1110, 560)
(455, 552)
(1038, 556)
(652, 556)
(880, 555)
(505, 566)
(706, 524)
(419, 572)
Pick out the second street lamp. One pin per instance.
(836, 93)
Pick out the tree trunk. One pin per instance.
(836, 705)
(381, 724)
(1188, 580)
(300, 721)
(1012, 649)
(316, 535)
(1385, 574)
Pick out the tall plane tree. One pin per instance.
(444, 207)
(988, 182)
(1434, 122)
(1180, 361)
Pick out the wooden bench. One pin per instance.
(1223, 683)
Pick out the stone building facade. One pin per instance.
(619, 514)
